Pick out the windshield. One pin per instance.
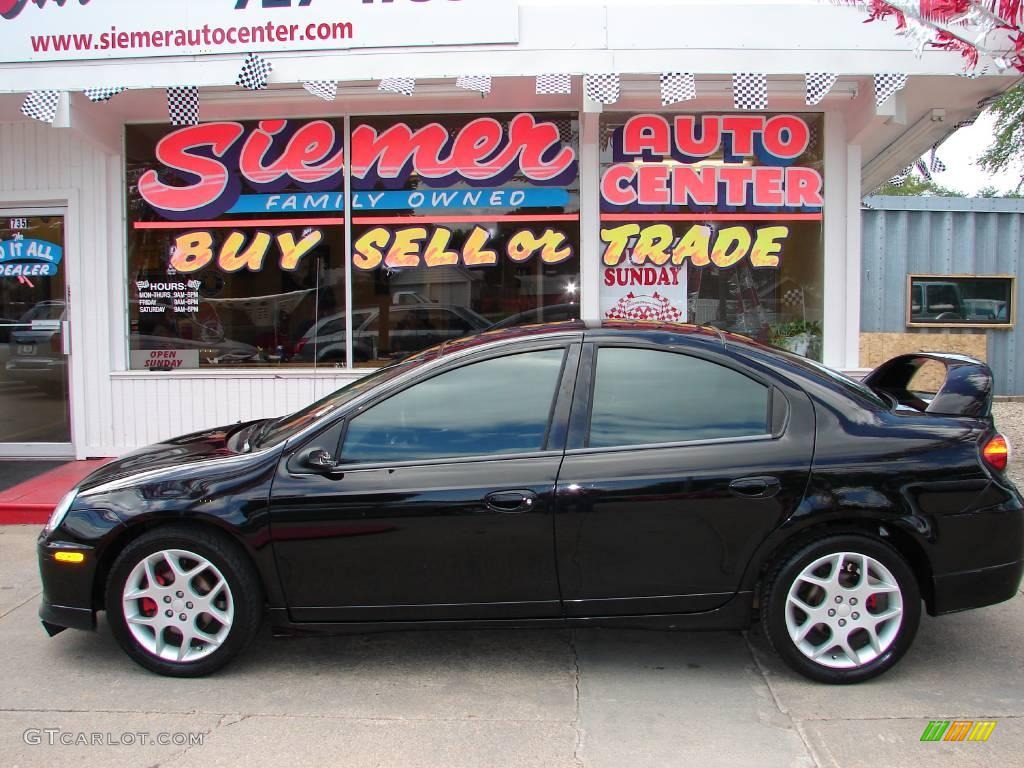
(279, 430)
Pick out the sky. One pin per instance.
(959, 153)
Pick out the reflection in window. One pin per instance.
(682, 398)
(948, 300)
(733, 261)
(498, 406)
(239, 286)
(438, 256)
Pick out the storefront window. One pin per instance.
(717, 220)
(460, 223)
(236, 243)
(961, 300)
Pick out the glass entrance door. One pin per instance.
(35, 417)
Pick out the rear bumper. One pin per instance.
(977, 588)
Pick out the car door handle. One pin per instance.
(755, 487)
(510, 501)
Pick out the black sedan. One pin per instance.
(667, 477)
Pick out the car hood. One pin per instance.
(173, 455)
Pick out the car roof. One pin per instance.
(707, 337)
(663, 333)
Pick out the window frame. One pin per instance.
(913, 277)
(776, 415)
(558, 413)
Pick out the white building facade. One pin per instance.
(641, 161)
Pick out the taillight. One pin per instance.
(996, 453)
(299, 345)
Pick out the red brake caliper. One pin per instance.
(148, 603)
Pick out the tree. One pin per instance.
(1007, 149)
(974, 28)
(917, 187)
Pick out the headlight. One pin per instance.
(61, 511)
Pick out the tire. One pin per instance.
(150, 620)
(826, 576)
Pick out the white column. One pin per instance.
(590, 215)
(837, 213)
(853, 256)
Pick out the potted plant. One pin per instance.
(798, 336)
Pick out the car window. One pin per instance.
(646, 396)
(496, 406)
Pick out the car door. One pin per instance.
(679, 463)
(441, 504)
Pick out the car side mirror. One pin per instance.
(321, 460)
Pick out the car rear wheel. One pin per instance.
(841, 610)
(182, 602)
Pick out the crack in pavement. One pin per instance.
(783, 710)
(306, 716)
(578, 720)
(24, 602)
(219, 724)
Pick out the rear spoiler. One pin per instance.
(966, 391)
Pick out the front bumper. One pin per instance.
(67, 587)
(57, 618)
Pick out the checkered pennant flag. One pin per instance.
(403, 85)
(901, 178)
(818, 86)
(479, 83)
(604, 89)
(936, 165)
(922, 168)
(750, 90)
(255, 72)
(794, 297)
(813, 138)
(565, 130)
(97, 95)
(886, 86)
(549, 85)
(183, 105)
(676, 87)
(322, 89)
(41, 105)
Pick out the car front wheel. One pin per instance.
(841, 610)
(182, 602)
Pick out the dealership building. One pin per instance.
(219, 210)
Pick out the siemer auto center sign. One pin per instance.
(72, 30)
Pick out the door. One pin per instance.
(677, 467)
(440, 505)
(35, 416)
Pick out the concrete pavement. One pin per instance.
(595, 698)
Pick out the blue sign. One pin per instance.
(28, 257)
(415, 201)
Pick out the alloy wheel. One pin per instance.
(177, 605)
(844, 610)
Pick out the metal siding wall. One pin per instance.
(900, 242)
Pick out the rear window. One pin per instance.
(695, 399)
